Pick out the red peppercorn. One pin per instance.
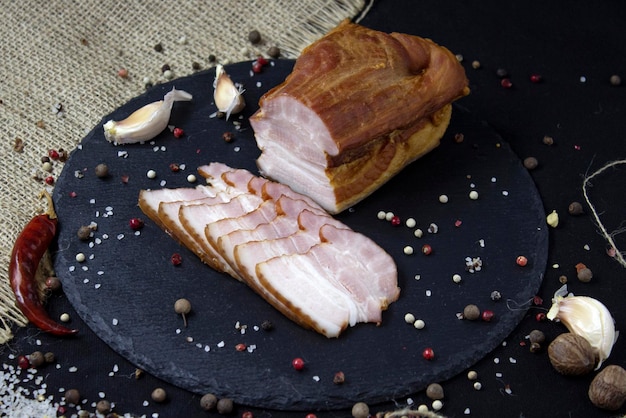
(122, 72)
(297, 363)
(310, 416)
(487, 315)
(247, 414)
(427, 249)
(49, 180)
(521, 261)
(540, 317)
(458, 223)
(261, 60)
(176, 259)
(175, 168)
(506, 83)
(61, 410)
(135, 223)
(23, 362)
(73, 194)
(53, 154)
(428, 353)
(256, 67)
(395, 221)
(536, 78)
(537, 300)
(178, 132)
(240, 347)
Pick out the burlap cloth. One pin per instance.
(59, 67)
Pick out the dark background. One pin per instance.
(562, 41)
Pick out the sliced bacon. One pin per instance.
(308, 265)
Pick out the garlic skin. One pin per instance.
(144, 123)
(228, 97)
(587, 317)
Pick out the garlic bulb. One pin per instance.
(586, 317)
(228, 97)
(146, 122)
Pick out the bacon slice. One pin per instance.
(284, 246)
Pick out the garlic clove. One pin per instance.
(587, 317)
(228, 97)
(144, 123)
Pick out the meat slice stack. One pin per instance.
(308, 265)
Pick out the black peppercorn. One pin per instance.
(267, 325)
(575, 208)
(195, 65)
(254, 37)
(165, 67)
(102, 170)
(158, 47)
(273, 52)
(212, 58)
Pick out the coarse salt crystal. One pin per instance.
(73, 369)
(115, 321)
(221, 344)
(505, 193)
(429, 293)
(316, 378)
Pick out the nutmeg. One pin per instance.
(608, 388)
(572, 355)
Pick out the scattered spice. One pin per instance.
(18, 145)
(176, 259)
(548, 140)
(297, 363)
(360, 410)
(536, 78)
(225, 406)
(102, 170)
(159, 395)
(36, 359)
(273, 52)
(615, 80)
(208, 402)
(575, 208)
(487, 315)
(459, 137)
(178, 132)
(583, 273)
(428, 354)
(72, 396)
(506, 83)
(434, 391)
(471, 312)
(537, 336)
(530, 163)
(136, 224)
(495, 296)
(182, 307)
(254, 36)
(427, 249)
(122, 73)
(158, 47)
(228, 136)
(103, 406)
(502, 72)
(339, 378)
(476, 64)
(521, 261)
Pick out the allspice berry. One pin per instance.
(103, 406)
(159, 395)
(72, 396)
(536, 336)
(102, 171)
(254, 36)
(225, 406)
(471, 312)
(360, 410)
(575, 208)
(571, 355)
(530, 163)
(36, 359)
(434, 391)
(608, 388)
(208, 402)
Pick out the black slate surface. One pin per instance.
(126, 289)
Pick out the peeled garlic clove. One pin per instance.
(145, 123)
(586, 317)
(228, 97)
(553, 219)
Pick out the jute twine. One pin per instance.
(60, 75)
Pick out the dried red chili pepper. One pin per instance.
(29, 248)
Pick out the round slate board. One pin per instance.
(125, 290)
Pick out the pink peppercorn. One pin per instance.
(53, 154)
(521, 261)
(135, 223)
(536, 78)
(178, 132)
(506, 83)
(427, 249)
(395, 221)
(176, 259)
(49, 180)
(23, 362)
(123, 73)
(487, 315)
(297, 363)
(428, 353)
(257, 67)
